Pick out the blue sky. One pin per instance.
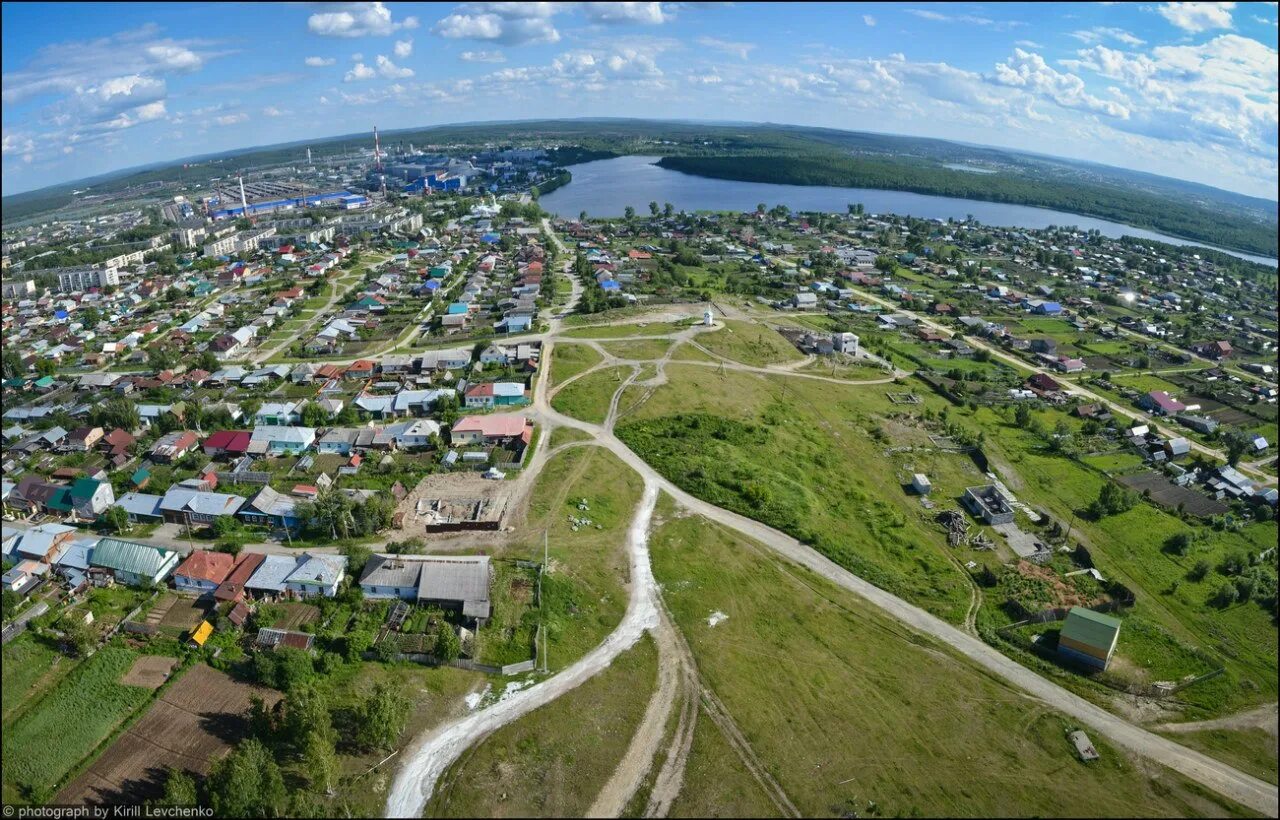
(1183, 89)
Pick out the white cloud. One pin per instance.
(357, 20)
(868, 20)
(174, 57)
(359, 71)
(1028, 44)
(272, 111)
(1198, 17)
(971, 19)
(232, 119)
(498, 29)
(739, 50)
(1099, 33)
(390, 70)
(1027, 70)
(319, 62)
(404, 48)
(482, 57)
(647, 13)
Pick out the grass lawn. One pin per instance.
(749, 343)
(640, 349)
(568, 360)
(778, 449)
(625, 330)
(688, 353)
(844, 368)
(67, 724)
(934, 735)
(588, 398)
(554, 761)
(564, 435)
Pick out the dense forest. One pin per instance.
(1130, 207)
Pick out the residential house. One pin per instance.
(1089, 637)
(185, 505)
(489, 429)
(496, 394)
(132, 563)
(270, 508)
(203, 571)
(275, 440)
(456, 582)
(229, 443)
(173, 446)
(316, 575)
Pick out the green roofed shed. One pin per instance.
(1089, 637)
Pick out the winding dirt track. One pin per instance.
(430, 756)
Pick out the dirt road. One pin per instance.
(427, 760)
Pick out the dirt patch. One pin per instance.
(1061, 594)
(456, 498)
(149, 671)
(297, 615)
(193, 724)
(184, 614)
(1167, 494)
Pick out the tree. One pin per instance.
(1022, 416)
(1111, 500)
(306, 711)
(1237, 445)
(179, 789)
(116, 411)
(320, 761)
(1181, 543)
(117, 518)
(247, 783)
(77, 636)
(667, 209)
(13, 367)
(629, 213)
(447, 647)
(313, 415)
(653, 208)
(207, 361)
(381, 718)
(226, 526)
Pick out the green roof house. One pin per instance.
(1089, 637)
(132, 563)
(91, 497)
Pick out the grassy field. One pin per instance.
(844, 369)
(584, 594)
(934, 736)
(716, 783)
(564, 435)
(750, 343)
(588, 398)
(554, 761)
(1130, 546)
(568, 360)
(688, 353)
(639, 349)
(435, 695)
(67, 724)
(778, 449)
(30, 667)
(1249, 750)
(623, 331)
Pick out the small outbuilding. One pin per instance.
(921, 484)
(1089, 637)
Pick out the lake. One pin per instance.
(606, 187)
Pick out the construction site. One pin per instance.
(455, 502)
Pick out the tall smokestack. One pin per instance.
(377, 150)
(308, 156)
(244, 205)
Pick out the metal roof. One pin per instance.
(127, 556)
(1091, 628)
